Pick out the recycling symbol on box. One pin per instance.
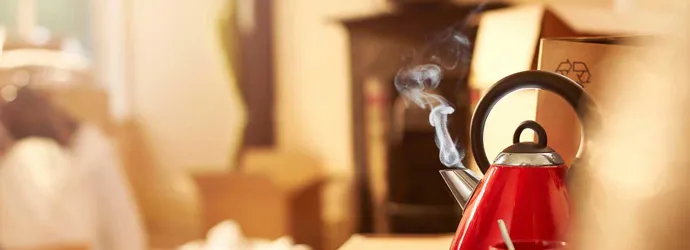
(580, 69)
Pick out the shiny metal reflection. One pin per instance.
(461, 182)
(529, 159)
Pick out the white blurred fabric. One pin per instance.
(51, 195)
(227, 235)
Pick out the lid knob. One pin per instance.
(529, 147)
(529, 153)
(542, 140)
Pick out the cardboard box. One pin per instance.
(508, 41)
(589, 62)
(274, 194)
(406, 242)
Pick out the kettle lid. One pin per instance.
(529, 153)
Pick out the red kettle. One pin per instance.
(525, 186)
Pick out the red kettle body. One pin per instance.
(526, 184)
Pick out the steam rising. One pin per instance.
(447, 50)
(411, 83)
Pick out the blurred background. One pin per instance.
(282, 116)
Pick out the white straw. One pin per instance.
(505, 235)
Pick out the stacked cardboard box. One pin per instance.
(275, 194)
(508, 42)
(589, 62)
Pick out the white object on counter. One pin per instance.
(227, 235)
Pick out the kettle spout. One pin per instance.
(461, 182)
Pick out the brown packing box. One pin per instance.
(508, 42)
(274, 194)
(405, 242)
(588, 61)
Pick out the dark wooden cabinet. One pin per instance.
(416, 199)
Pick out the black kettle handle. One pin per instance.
(569, 90)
